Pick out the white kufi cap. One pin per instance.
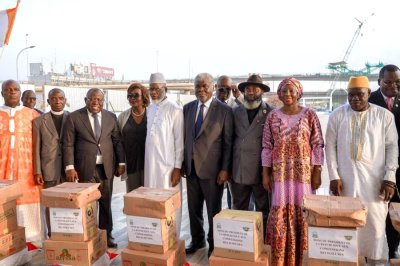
(157, 78)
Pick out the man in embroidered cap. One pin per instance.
(387, 97)
(362, 158)
(164, 140)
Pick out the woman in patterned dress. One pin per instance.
(292, 156)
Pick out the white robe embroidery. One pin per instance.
(362, 150)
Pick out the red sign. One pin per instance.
(102, 72)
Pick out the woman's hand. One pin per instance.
(316, 177)
(267, 179)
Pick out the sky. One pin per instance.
(182, 38)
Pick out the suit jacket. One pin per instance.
(80, 146)
(377, 98)
(211, 150)
(248, 145)
(47, 147)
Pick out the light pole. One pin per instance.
(16, 61)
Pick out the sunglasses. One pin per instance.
(133, 95)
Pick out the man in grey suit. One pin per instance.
(47, 134)
(207, 158)
(92, 147)
(249, 119)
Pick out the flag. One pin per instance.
(7, 18)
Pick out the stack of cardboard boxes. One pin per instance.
(151, 225)
(238, 240)
(75, 238)
(12, 236)
(332, 230)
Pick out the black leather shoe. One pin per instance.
(193, 247)
(111, 243)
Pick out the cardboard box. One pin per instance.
(9, 190)
(151, 234)
(75, 252)
(394, 262)
(238, 235)
(8, 217)
(173, 257)
(263, 260)
(394, 212)
(333, 244)
(152, 202)
(332, 211)
(12, 242)
(321, 262)
(70, 195)
(74, 224)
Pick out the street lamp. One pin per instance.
(26, 48)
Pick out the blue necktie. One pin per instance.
(97, 129)
(199, 121)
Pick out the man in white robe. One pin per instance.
(361, 153)
(164, 141)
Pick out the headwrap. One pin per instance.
(291, 81)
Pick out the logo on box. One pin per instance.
(65, 256)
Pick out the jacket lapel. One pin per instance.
(260, 117)
(243, 116)
(207, 118)
(48, 121)
(396, 104)
(63, 121)
(381, 100)
(86, 122)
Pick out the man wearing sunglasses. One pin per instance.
(228, 93)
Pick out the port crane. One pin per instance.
(340, 67)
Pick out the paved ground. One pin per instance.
(197, 259)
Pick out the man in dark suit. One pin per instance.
(207, 158)
(249, 119)
(47, 153)
(92, 147)
(387, 96)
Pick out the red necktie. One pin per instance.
(389, 103)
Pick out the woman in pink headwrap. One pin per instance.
(292, 156)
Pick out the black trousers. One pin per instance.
(393, 237)
(198, 191)
(242, 195)
(106, 188)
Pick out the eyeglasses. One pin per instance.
(224, 89)
(391, 83)
(133, 95)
